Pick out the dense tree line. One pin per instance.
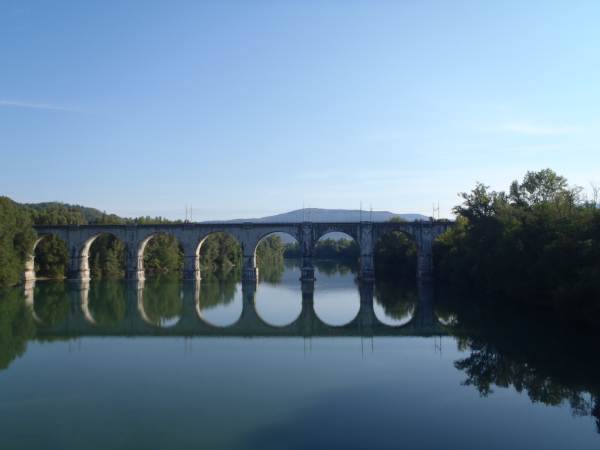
(537, 245)
(16, 239)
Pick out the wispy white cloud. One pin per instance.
(536, 129)
(33, 105)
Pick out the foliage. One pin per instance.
(162, 301)
(220, 251)
(52, 302)
(218, 289)
(269, 259)
(16, 326)
(549, 361)
(395, 257)
(398, 301)
(107, 302)
(539, 245)
(51, 257)
(16, 239)
(163, 254)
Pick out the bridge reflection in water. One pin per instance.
(79, 320)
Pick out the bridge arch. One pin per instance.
(269, 253)
(109, 241)
(167, 255)
(58, 248)
(218, 249)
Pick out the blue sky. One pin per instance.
(256, 107)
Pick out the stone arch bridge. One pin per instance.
(79, 239)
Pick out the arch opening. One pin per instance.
(277, 258)
(104, 255)
(220, 253)
(395, 257)
(50, 258)
(336, 253)
(162, 255)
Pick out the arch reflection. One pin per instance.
(161, 301)
(395, 304)
(220, 300)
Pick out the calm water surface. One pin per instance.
(218, 365)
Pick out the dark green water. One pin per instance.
(215, 365)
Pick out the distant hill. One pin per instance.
(331, 215)
(90, 215)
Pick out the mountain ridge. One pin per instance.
(328, 215)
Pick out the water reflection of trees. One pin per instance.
(51, 302)
(552, 364)
(218, 288)
(332, 267)
(107, 302)
(399, 301)
(16, 326)
(271, 271)
(162, 299)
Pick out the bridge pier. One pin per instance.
(134, 262)
(191, 266)
(29, 273)
(79, 268)
(425, 255)
(249, 269)
(366, 313)
(366, 243)
(367, 269)
(307, 271)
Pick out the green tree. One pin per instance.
(16, 326)
(16, 241)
